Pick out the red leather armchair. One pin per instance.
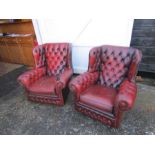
(108, 88)
(48, 81)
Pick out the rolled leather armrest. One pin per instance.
(65, 76)
(82, 82)
(63, 79)
(126, 96)
(31, 76)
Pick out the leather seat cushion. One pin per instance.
(99, 97)
(45, 85)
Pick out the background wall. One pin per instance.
(84, 34)
(143, 38)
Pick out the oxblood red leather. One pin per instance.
(44, 85)
(48, 81)
(108, 88)
(126, 95)
(99, 97)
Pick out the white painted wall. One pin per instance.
(84, 34)
(37, 31)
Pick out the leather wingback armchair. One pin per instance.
(48, 81)
(108, 88)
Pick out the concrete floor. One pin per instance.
(20, 116)
(7, 67)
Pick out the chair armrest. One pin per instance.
(65, 77)
(126, 96)
(63, 80)
(82, 82)
(31, 76)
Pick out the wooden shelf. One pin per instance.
(17, 49)
(15, 22)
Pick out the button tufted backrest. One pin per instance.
(39, 56)
(94, 59)
(57, 58)
(114, 63)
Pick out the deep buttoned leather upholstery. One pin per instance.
(108, 87)
(51, 74)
